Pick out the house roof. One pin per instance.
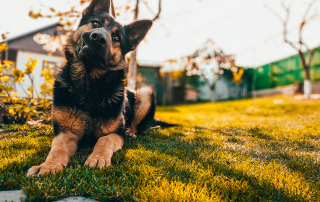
(143, 63)
(27, 32)
(24, 41)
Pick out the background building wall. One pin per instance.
(54, 61)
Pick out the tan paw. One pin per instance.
(44, 168)
(98, 161)
(132, 132)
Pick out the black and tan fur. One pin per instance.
(90, 98)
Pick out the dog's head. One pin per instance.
(100, 41)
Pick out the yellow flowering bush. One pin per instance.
(27, 107)
(46, 90)
(3, 46)
(18, 75)
(30, 65)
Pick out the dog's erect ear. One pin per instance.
(136, 31)
(96, 6)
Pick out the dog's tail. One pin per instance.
(157, 123)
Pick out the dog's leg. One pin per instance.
(63, 146)
(104, 149)
(69, 126)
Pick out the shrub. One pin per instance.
(29, 106)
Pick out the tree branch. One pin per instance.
(311, 54)
(159, 11)
(308, 9)
(303, 23)
(289, 5)
(275, 13)
(136, 12)
(301, 42)
(285, 23)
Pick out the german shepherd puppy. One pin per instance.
(89, 96)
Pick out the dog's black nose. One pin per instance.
(98, 37)
(95, 38)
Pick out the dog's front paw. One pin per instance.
(132, 132)
(98, 161)
(132, 135)
(44, 168)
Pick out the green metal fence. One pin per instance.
(285, 72)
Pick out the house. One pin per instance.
(204, 57)
(208, 63)
(22, 46)
(233, 84)
(202, 91)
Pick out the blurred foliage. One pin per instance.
(21, 109)
(186, 80)
(195, 71)
(237, 75)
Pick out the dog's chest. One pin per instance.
(102, 127)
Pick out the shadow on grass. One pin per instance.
(119, 182)
(263, 190)
(284, 151)
(291, 153)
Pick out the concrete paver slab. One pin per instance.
(76, 199)
(15, 195)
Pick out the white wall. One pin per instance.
(221, 90)
(20, 64)
(204, 90)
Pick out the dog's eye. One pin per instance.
(116, 38)
(96, 23)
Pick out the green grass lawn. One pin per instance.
(224, 151)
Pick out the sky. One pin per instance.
(245, 28)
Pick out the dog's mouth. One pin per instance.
(84, 46)
(91, 55)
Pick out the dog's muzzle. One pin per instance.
(94, 39)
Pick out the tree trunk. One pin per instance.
(213, 84)
(307, 83)
(212, 91)
(212, 96)
(133, 58)
(306, 67)
(132, 70)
